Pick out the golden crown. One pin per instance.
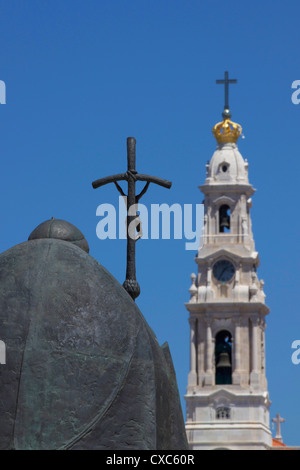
(227, 131)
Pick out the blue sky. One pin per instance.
(82, 76)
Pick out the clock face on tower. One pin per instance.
(223, 270)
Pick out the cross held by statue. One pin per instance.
(131, 176)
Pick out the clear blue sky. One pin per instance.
(83, 75)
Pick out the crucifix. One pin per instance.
(133, 223)
(278, 420)
(226, 81)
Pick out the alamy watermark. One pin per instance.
(2, 352)
(296, 94)
(161, 222)
(2, 92)
(296, 353)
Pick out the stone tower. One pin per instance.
(227, 395)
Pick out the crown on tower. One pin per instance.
(226, 131)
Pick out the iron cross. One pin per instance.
(226, 82)
(131, 176)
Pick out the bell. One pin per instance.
(224, 218)
(225, 222)
(224, 360)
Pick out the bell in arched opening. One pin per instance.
(223, 358)
(224, 218)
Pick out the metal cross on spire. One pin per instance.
(226, 81)
(133, 223)
(278, 420)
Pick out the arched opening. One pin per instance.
(224, 219)
(223, 357)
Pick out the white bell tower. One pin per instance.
(227, 396)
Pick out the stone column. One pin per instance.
(236, 359)
(192, 380)
(209, 355)
(263, 354)
(205, 229)
(254, 376)
(236, 284)
(209, 291)
(201, 340)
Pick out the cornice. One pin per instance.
(227, 309)
(237, 188)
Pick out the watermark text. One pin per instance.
(2, 352)
(296, 353)
(164, 222)
(2, 92)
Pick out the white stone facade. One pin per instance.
(227, 300)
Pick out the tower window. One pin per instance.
(223, 412)
(224, 219)
(224, 168)
(223, 358)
